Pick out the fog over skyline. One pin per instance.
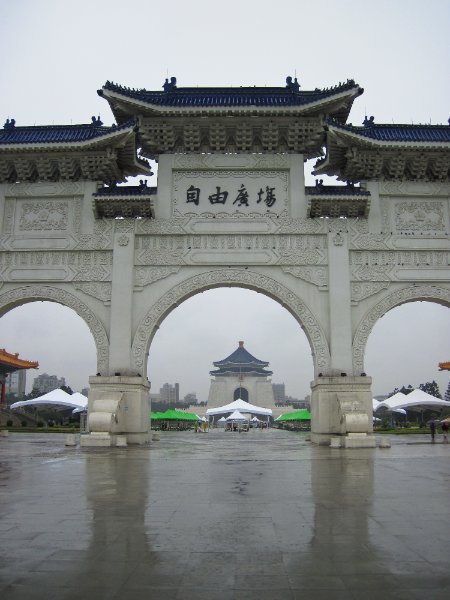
(56, 55)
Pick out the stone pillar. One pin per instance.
(342, 406)
(340, 305)
(121, 302)
(119, 410)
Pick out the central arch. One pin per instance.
(231, 278)
(32, 293)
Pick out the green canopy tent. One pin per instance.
(173, 415)
(298, 415)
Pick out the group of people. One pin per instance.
(444, 427)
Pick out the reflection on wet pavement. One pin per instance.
(261, 515)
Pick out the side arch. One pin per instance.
(412, 293)
(31, 293)
(231, 278)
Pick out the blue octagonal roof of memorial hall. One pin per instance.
(12, 134)
(241, 362)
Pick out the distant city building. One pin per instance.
(46, 383)
(85, 391)
(11, 363)
(15, 383)
(241, 376)
(170, 394)
(279, 393)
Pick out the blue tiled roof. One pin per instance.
(231, 97)
(399, 133)
(241, 357)
(335, 190)
(126, 190)
(56, 134)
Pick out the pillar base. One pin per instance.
(341, 406)
(118, 412)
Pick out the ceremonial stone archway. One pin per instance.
(230, 208)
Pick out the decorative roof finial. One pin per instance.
(10, 124)
(96, 122)
(368, 122)
(170, 85)
(292, 85)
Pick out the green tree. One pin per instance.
(447, 393)
(432, 388)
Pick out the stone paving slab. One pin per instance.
(261, 515)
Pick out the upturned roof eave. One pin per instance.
(117, 134)
(13, 360)
(353, 136)
(157, 109)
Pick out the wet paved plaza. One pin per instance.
(215, 516)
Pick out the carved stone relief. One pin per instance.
(409, 188)
(388, 265)
(279, 249)
(146, 275)
(101, 239)
(230, 277)
(432, 293)
(371, 241)
(66, 266)
(365, 289)
(316, 275)
(41, 217)
(46, 215)
(101, 291)
(215, 161)
(57, 188)
(30, 293)
(418, 217)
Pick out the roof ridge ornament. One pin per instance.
(9, 124)
(171, 85)
(292, 85)
(96, 122)
(368, 122)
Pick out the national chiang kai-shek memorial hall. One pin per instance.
(230, 208)
(241, 376)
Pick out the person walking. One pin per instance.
(445, 430)
(432, 430)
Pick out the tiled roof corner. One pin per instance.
(58, 134)
(397, 133)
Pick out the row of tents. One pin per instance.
(417, 400)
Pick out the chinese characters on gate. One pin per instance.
(243, 198)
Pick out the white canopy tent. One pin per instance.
(236, 416)
(241, 406)
(376, 405)
(416, 400)
(58, 399)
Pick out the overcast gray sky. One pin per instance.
(54, 56)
